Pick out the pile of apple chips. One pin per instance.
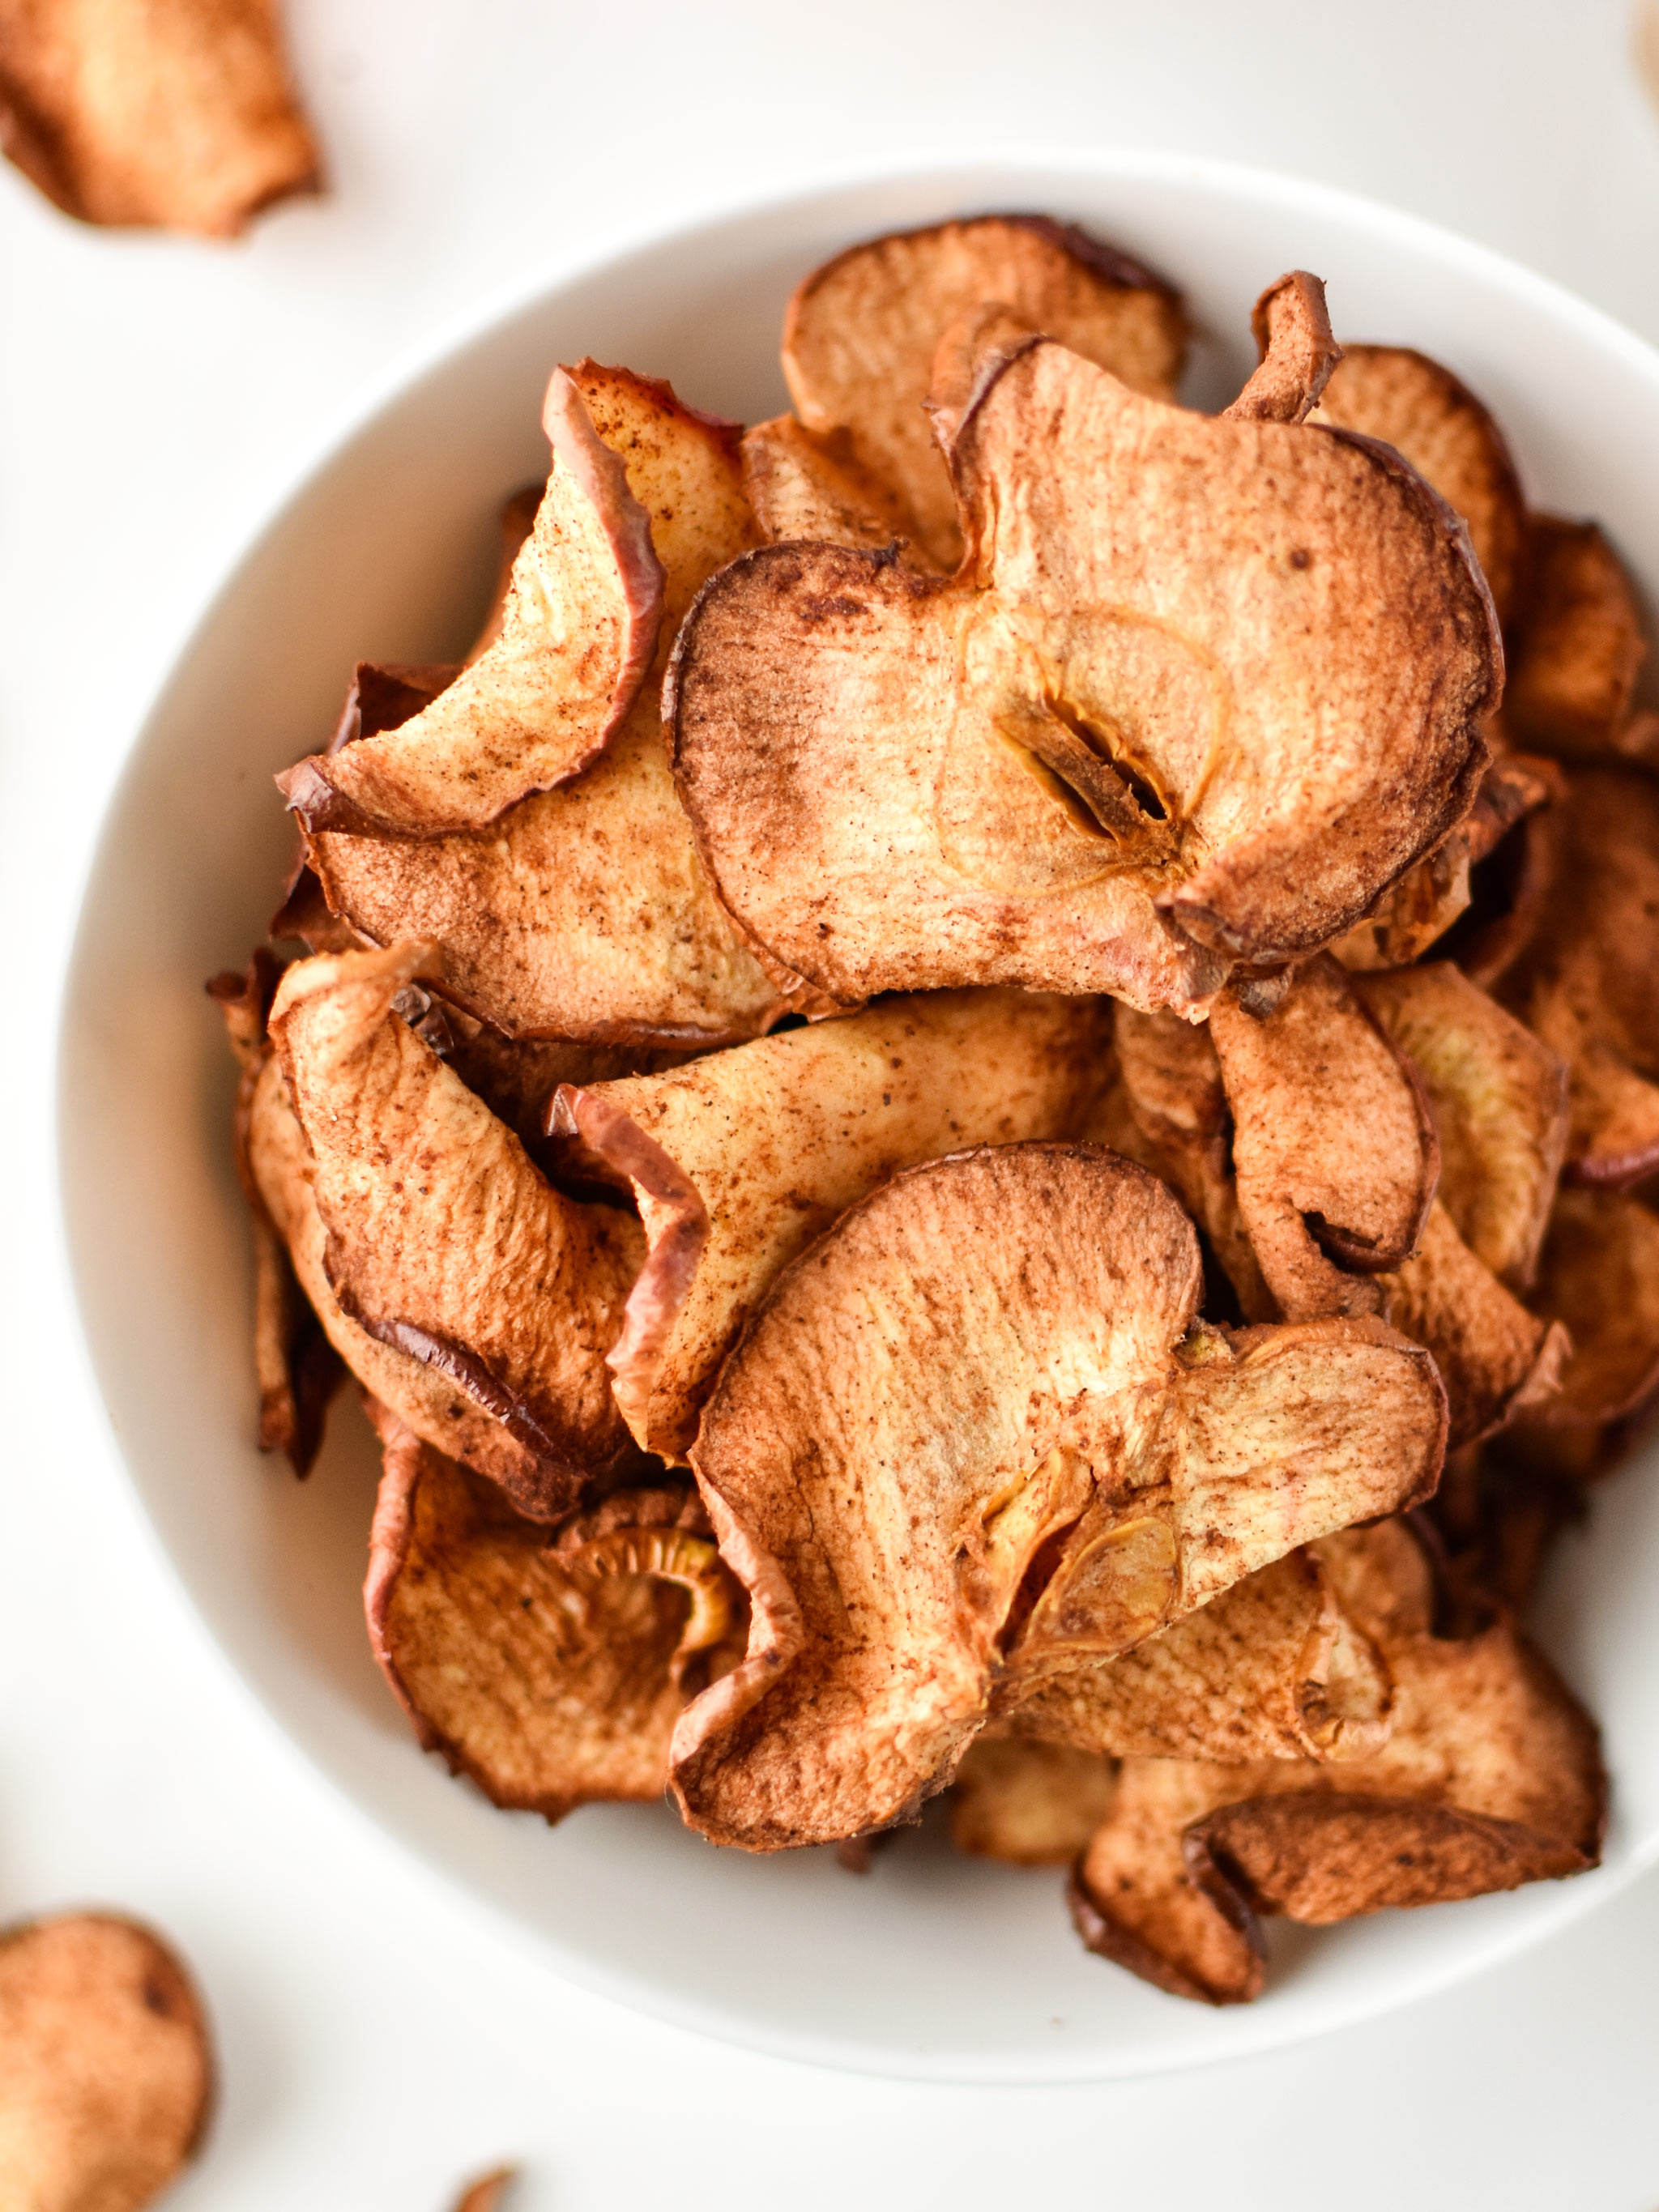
(973, 1107)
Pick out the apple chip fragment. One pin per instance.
(548, 1666)
(1202, 689)
(740, 1160)
(896, 1440)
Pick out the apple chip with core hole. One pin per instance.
(1027, 1802)
(1584, 974)
(1574, 677)
(1436, 423)
(577, 636)
(989, 1362)
(177, 113)
(1272, 1668)
(585, 911)
(1203, 689)
(1489, 1778)
(739, 1160)
(1334, 1150)
(549, 1668)
(861, 334)
(105, 2067)
(1498, 1095)
(443, 1240)
(1599, 1274)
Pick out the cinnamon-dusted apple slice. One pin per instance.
(297, 1368)
(1498, 1095)
(578, 634)
(177, 113)
(106, 2065)
(739, 1160)
(1584, 974)
(859, 335)
(992, 1352)
(1432, 418)
(1333, 1148)
(1272, 1668)
(443, 1240)
(1599, 1275)
(1160, 720)
(549, 1667)
(1573, 679)
(1491, 1777)
(802, 487)
(1026, 1801)
(585, 912)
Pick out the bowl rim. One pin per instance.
(1246, 2031)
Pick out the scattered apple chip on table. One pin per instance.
(180, 114)
(489, 2193)
(106, 2065)
(740, 1160)
(1202, 689)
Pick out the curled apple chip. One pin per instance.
(739, 1160)
(106, 2065)
(1599, 1275)
(1573, 680)
(1498, 1095)
(585, 912)
(803, 486)
(577, 637)
(1202, 689)
(180, 114)
(1027, 1802)
(989, 1362)
(1491, 1777)
(1432, 418)
(443, 1241)
(549, 1668)
(861, 334)
(1333, 1148)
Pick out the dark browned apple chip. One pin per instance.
(1573, 680)
(106, 2065)
(547, 1667)
(180, 114)
(1599, 1275)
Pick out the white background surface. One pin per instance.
(154, 397)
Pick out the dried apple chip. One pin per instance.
(578, 634)
(1599, 1275)
(443, 1240)
(547, 1667)
(584, 912)
(1433, 419)
(1026, 1801)
(1333, 1149)
(1272, 1668)
(106, 2067)
(803, 486)
(1162, 721)
(739, 1160)
(992, 1352)
(177, 113)
(861, 334)
(1573, 680)
(488, 2192)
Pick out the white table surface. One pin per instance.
(378, 2040)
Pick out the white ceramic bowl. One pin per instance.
(934, 1965)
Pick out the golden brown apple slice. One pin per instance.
(1028, 1802)
(991, 1351)
(861, 334)
(585, 912)
(1582, 649)
(443, 1240)
(177, 113)
(1333, 1149)
(1433, 419)
(578, 634)
(106, 2065)
(1272, 1668)
(549, 1668)
(1599, 1275)
(1160, 721)
(1581, 968)
(1498, 1096)
(739, 1160)
(1491, 1777)
(801, 486)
